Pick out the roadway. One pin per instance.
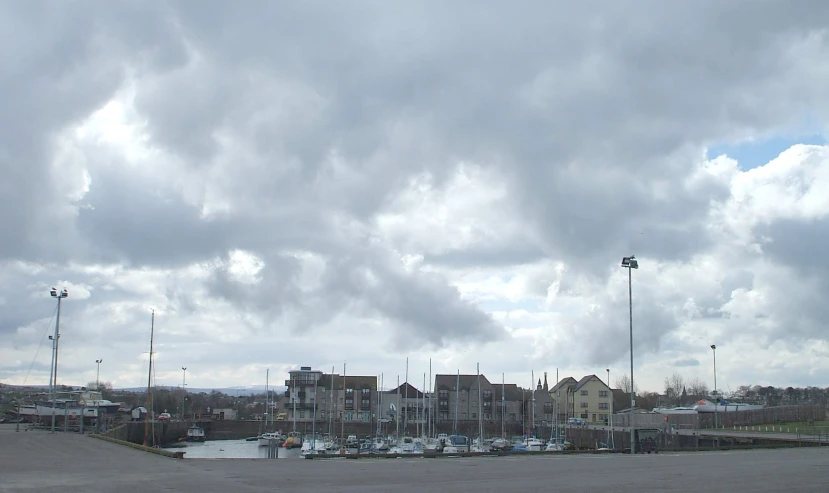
(37, 460)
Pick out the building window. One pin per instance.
(349, 403)
(474, 415)
(583, 392)
(604, 405)
(366, 393)
(487, 416)
(584, 405)
(512, 416)
(302, 414)
(548, 408)
(603, 393)
(487, 395)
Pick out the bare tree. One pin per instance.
(623, 383)
(697, 388)
(674, 386)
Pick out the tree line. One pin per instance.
(678, 391)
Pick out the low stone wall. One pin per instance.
(152, 450)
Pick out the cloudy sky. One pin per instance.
(312, 183)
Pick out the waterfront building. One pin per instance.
(334, 396)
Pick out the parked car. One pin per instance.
(164, 417)
(576, 421)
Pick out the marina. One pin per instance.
(27, 463)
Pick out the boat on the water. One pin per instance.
(196, 433)
(265, 438)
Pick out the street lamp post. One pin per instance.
(716, 399)
(54, 372)
(631, 263)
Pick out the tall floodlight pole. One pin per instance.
(183, 388)
(631, 263)
(98, 400)
(54, 375)
(98, 374)
(716, 399)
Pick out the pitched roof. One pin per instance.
(511, 391)
(406, 390)
(586, 379)
(564, 382)
(351, 381)
(467, 382)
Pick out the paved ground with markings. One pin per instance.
(32, 461)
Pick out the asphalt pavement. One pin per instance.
(37, 460)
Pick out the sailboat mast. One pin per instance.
(423, 407)
(331, 406)
(532, 409)
(429, 416)
(503, 390)
(149, 385)
(480, 411)
(268, 407)
(457, 399)
(342, 420)
(379, 410)
(397, 391)
(314, 422)
(406, 401)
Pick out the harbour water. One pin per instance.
(231, 449)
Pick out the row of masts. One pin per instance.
(429, 428)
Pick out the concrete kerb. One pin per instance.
(157, 451)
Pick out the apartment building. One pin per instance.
(339, 397)
(589, 398)
(406, 403)
(460, 396)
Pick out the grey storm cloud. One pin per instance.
(310, 119)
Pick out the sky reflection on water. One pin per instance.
(231, 449)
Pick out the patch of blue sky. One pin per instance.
(506, 305)
(753, 153)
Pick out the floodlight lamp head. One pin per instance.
(53, 292)
(630, 262)
(714, 347)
